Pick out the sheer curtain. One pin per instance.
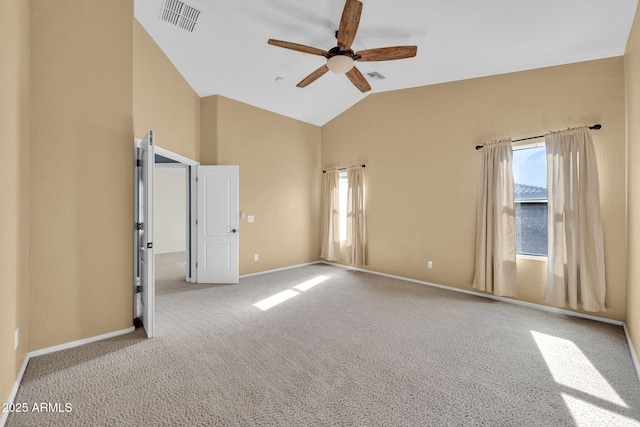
(576, 249)
(355, 245)
(331, 217)
(495, 222)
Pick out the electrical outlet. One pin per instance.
(251, 218)
(17, 338)
(255, 257)
(429, 264)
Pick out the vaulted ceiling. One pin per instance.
(227, 52)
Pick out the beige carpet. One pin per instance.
(354, 350)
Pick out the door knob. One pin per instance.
(233, 230)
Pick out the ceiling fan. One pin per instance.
(341, 58)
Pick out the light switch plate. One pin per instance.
(250, 218)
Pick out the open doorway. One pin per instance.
(174, 210)
(170, 223)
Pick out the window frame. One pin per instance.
(525, 145)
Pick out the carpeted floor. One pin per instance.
(353, 350)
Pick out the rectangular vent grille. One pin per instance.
(180, 14)
(376, 76)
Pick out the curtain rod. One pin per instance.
(343, 169)
(595, 127)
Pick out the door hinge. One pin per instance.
(196, 265)
(139, 163)
(196, 179)
(196, 222)
(139, 226)
(138, 289)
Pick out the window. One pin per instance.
(530, 186)
(343, 189)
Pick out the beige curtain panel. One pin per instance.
(576, 274)
(496, 222)
(355, 245)
(331, 217)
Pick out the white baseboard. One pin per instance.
(80, 342)
(632, 350)
(280, 269)
(14, 390)
(480, 294)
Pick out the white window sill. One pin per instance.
(532, 257)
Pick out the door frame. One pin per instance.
(190, 207)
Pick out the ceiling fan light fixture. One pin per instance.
(341, 59)
(340, 64)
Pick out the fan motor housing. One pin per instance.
(340, 60)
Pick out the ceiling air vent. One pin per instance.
(179, 14)
(375, 76)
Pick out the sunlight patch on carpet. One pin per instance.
(570, 367)
(305, 286)
(276, 299)
(588, 414)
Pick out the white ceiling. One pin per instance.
(227, 54)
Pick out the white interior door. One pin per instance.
(146, 157)
(217, 224)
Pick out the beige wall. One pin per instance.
(162, 99)
(14, 189)
(209, 130)
(632, 77)
(422, 169)
(279, 161)
(81, 171)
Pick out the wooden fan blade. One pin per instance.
(349, 23)
(313, 76)
(358, 80)
(298, 47)
(387, 53)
